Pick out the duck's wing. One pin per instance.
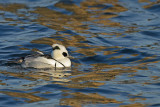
(38, 62)
(38, 54)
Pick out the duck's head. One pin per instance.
(59, 52)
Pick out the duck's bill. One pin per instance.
(71, 57)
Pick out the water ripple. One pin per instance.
(115, 45)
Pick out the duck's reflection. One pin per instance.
(36, 75)
(54, 75)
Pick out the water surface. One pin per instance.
(115, 45)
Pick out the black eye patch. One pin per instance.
(56, 47)
(64, 54)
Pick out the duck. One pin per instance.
(59, 58)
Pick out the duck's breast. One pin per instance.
(64, 62)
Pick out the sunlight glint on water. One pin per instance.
(115, 45)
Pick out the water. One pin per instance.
(115, 45)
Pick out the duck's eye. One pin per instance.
(56, 47)
(64, 54)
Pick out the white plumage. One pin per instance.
(59, 58)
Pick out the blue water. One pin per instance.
(115, 45)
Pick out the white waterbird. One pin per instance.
(59, 58)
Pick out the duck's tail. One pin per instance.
(15, 61)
